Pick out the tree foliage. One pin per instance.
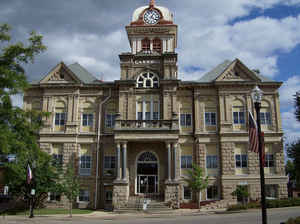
(197, 181)
(297, 106)
(70, 185)
(18, 128)
(293, 152)
(241, 192)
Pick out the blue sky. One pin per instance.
(263, 34)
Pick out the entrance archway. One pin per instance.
(147, 173)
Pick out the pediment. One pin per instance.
(60, 74)
(237, 71)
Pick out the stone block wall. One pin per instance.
(120, 195)
(227, 159)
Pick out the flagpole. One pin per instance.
(257, 95)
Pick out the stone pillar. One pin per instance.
(169, 161)
(118, 161)
(124, 168)
(175, 161)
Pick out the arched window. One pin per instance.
(239, 115)
(157, 45)
(146, 44)
(147, 80)
(147, 157)
(265, 115)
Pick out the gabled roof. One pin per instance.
(75, 71)
(82, 73)
(216, 72)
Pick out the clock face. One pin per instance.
(151, 17)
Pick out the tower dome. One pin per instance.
(166, 16)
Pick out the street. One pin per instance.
(275, 216)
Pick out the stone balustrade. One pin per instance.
(147, 124)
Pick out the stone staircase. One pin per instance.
(135, 204)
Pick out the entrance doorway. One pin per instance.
(147, 174)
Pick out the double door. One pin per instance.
(147, 184)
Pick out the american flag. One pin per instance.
(253, 134)
(29, 174)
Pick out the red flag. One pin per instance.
(29, 174)
(253, 134)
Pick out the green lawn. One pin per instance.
(51, 211)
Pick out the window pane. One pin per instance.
(188, 120)
(57, 118)
(268, 118)
(189, 162)
(91, 120)
(242, 118)
(183, 162)
(238, 160)
(182, 119)
(187, 193)
(262, 118)
(213, 119)
(236, 117)
(140, 115)
(207, 118)
(244, 160)
(148, 117)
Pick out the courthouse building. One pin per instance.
(140, 134)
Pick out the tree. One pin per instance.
(19, 128)
(70, 185)
(197, 181)
(297, 106)
(290, 170)
(293, 152)
(241, 193)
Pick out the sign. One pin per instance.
(32, 192)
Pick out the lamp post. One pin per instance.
(256, 95)
(32, 191)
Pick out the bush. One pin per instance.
(237, 207)
(283, 203)
(293, 221)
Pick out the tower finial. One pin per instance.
(152, 3)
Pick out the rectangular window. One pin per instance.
(87, 120)
(212, 193)
(241, 161)
(212, 162)
(210, 119)
(185, 120)
(187, 193)
(60, 119)
(109, 162)
(265, 118)
(110, 121)
(271, 191)
(269, 160)
(85, 161)
(186, 162)
(239, 117)
(84, 196)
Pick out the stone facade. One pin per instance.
(105, 127)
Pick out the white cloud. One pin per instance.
(290, 126)
(256, 42)
(288, 90)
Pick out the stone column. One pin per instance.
(118, 161)
(169, 161)
(124, 167)
(174, 161)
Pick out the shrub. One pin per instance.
(237, 207)
(293, 221)
(283, 203)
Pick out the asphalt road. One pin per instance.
(275, 216)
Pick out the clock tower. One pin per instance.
(152, 37)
